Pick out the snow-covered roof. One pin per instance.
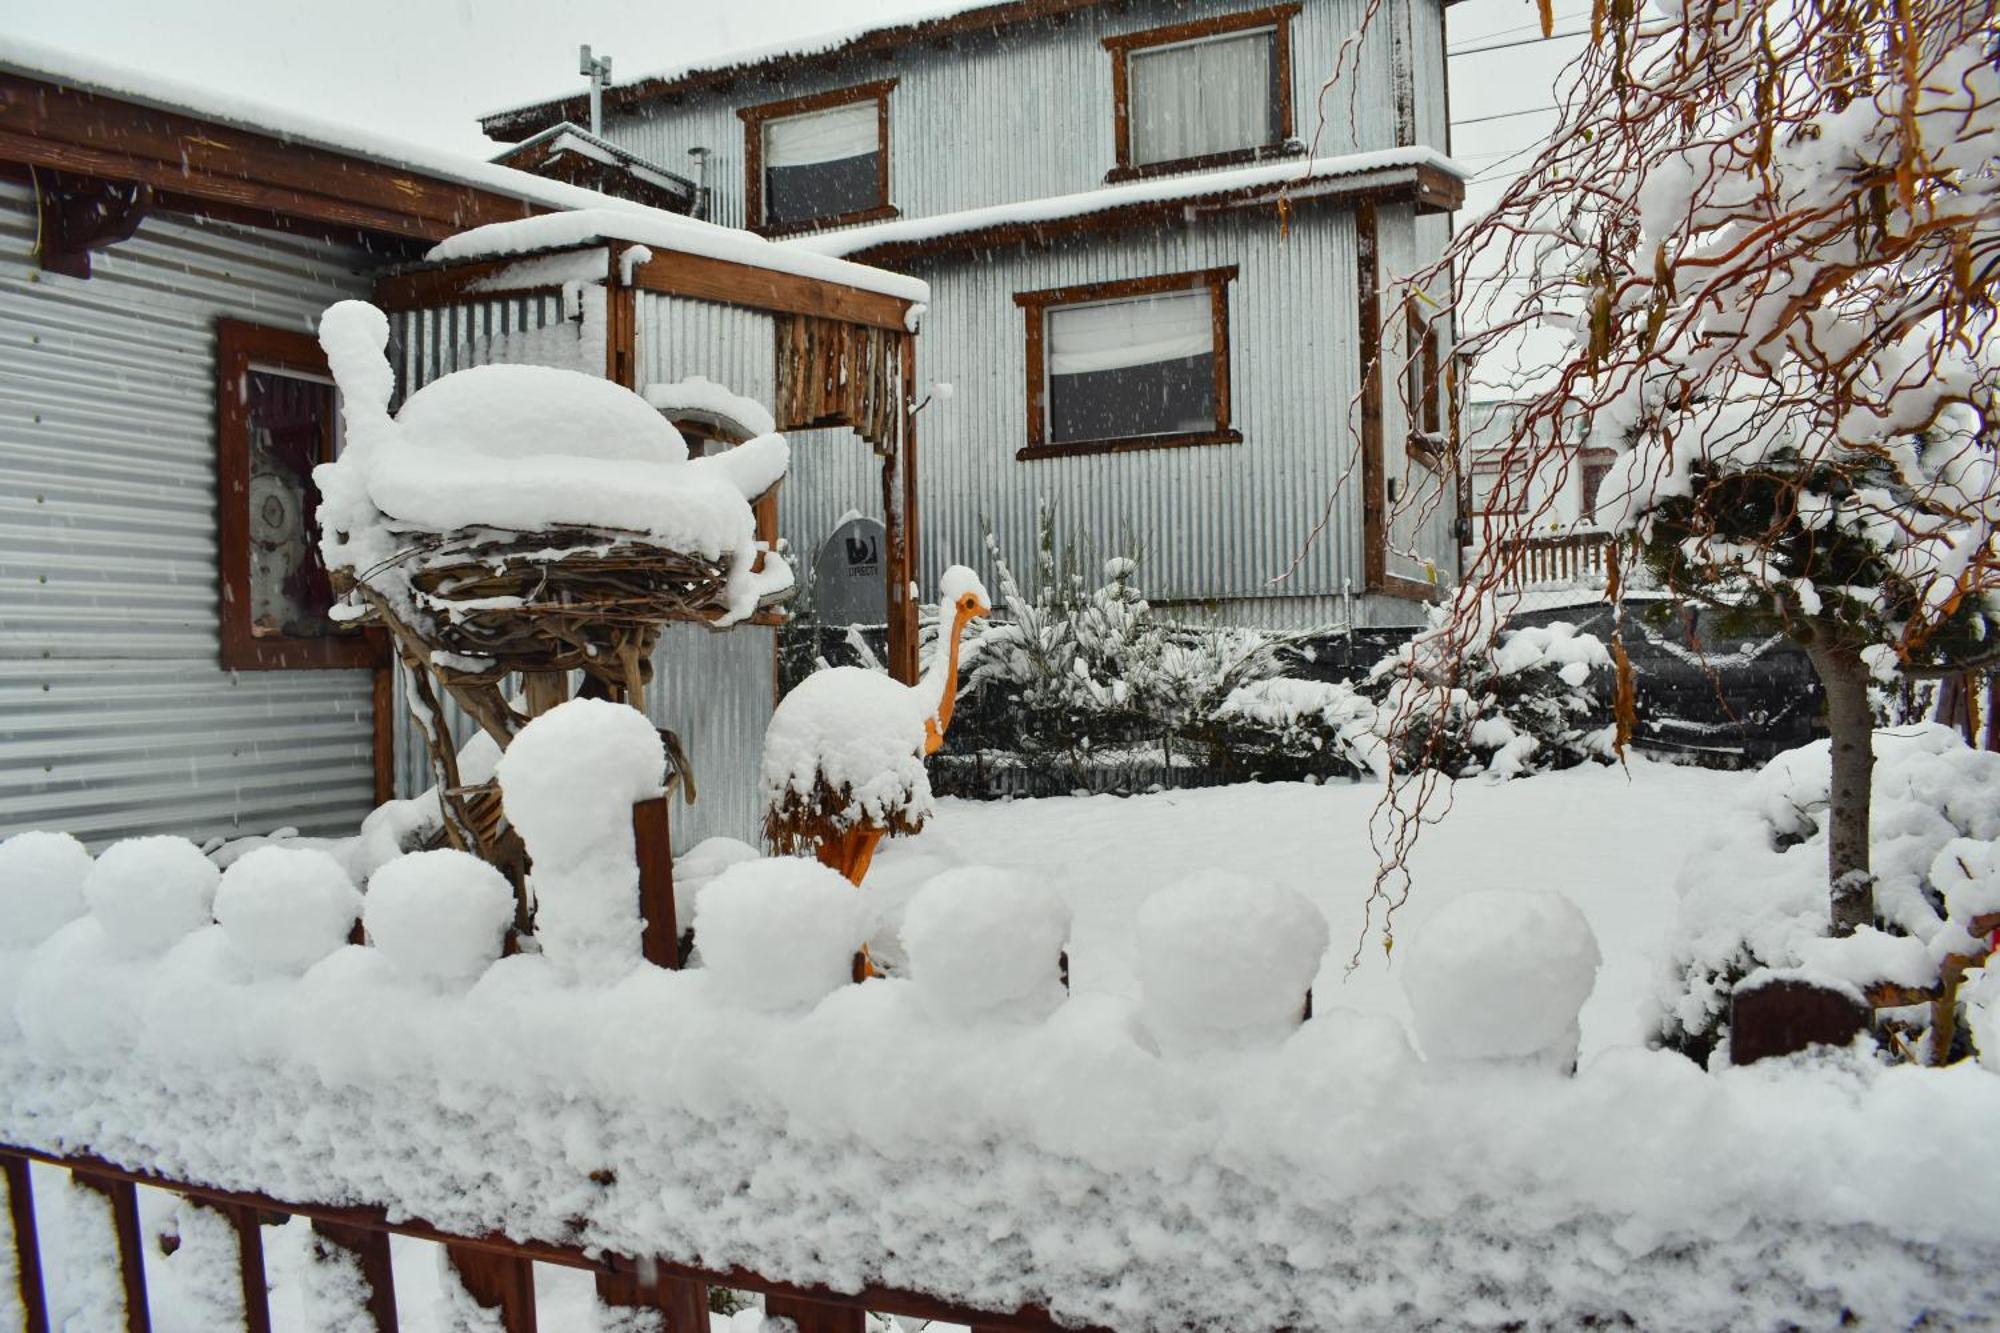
(668, 231)
(1306, 176)
(573, 138)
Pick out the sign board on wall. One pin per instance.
(847, 576)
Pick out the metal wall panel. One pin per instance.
(115, 717)
(716, 691)
(735, 347)
(1024, 114)
(549, 328)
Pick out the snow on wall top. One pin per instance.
(1393, 162)
(667, 231)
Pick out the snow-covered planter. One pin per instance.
(1501, 975)
(986, 943)
(1226, 961)
(779, 934)
(41, 886)
(283, 910)
(441, 917)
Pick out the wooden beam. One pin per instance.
(730, 283)
(370, 1249)
(123, 1197)
(27, 1245)
(497, 1283)
(813, 1317)
(661, 940)
(424, 288)
(255, 1281)
(1368, 340)
(682, 1304)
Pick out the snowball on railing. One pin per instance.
(41, 886)
(1225, 961)
(150, 893)
(986, 943)
(779, 934)
(441, 917)
(283, 909)
(1501, 975)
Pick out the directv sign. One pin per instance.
(847, 576)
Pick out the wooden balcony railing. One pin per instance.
(1556, 559)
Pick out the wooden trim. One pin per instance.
(1241, 157)
(1036, 306)
(755, 118)
(621, 325)
(1121, 46)
(1407, 589)
(729, 283)
(382, 717)
(1368, 341)
(424, 288)
(237, 346)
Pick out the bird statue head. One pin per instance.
(961, 590)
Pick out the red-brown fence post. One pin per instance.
(652, 844)
(249, 1264)
(682, 1302)
(370, 1249)
(498, 1282)
(27, 1251)
(123, 1196)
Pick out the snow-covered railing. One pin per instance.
(1562, 558)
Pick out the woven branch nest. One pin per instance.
(798, 824)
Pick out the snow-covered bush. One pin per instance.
(779, 934)
(41, 886)
(1501, 975)
(1492, 699)
(1753, 894)
(987, 943)
(439, 916)
(284, 909)
(1300, 728)
(1225, 961)
(148, 893)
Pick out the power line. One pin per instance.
(1506, 115)
(1525, 41)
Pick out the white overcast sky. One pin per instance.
(425, 69)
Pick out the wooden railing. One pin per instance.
(1570, 557)
(497, 1272)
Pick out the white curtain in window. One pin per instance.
(824, 136)
(1138, 332)
(1211, 96)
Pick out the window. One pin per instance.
(1129, 365)
(818, 161)
(1595, 465)
(1200, 94)
(278, 418)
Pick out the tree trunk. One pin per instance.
(1852, 727)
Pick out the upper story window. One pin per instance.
(1128, 365)
(1206, 93)
(818, 161)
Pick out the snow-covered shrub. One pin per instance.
(440, 916)
(1225, 961)
(41, 886)
(150, 892)
(1491, 699)
(781, 933)
(568, 783)
(1501, 975)
(1299, 728)
(985, 942)
(283, 909)
(1754, 893)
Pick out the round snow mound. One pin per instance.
(984, 941)
(150, 892)
(515, 412)
(779, 934)
(1226, 960)
(285, 908)
(440, 916)
(1501, 974)
(41, 886)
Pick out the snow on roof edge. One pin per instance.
(1161, 189)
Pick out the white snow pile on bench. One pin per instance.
(1194, 1157)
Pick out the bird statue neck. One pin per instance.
(943, 676)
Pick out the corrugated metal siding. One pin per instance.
(1026, 114)
(735, 347)
(115, 715)
(549, 328)
(715, 691)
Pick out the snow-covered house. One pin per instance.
(167, 658)
(1158, 240)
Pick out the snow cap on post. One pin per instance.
(1226, 961)
(355, 338)
(149, 893)
(957, 581)
(779, 934)
(285, 908)
(41, 886)
(987, 943)
(441, 916)
(1501, 974)
(568, 783)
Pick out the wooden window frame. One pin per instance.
(755, 118)
(1036, 306)
(1121, 47)
(239, 346)
(1425, 387)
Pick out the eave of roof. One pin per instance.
(625, 156)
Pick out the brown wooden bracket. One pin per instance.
(77, 214)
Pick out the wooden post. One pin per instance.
(1368, 329)
(652, 844)
(812, 1317)
(27, 1251)
(123, 1197)
(912, 547)
(1788, 1016)
(250, 1265)
(682, 1303)
(500, 1283)
(896, 569)
(370, 1249)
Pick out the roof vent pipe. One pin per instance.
(599, 74)
(701, 197)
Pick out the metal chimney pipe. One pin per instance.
(598, 72)
(701, 197)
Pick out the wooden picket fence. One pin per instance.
(1563, 558)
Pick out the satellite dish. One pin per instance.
(847, 575)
